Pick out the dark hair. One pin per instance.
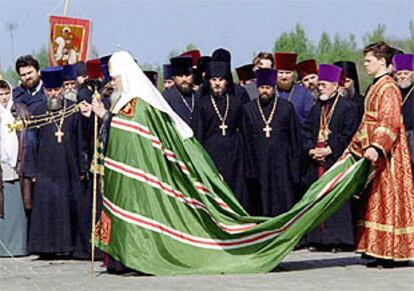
(264, 56)
(396, 51)
(4, 85)
(26, 61)
(380, 50)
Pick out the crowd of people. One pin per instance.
(271, 135)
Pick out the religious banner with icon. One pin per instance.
(69, 40)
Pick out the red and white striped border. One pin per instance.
(143, 131)
(155, 182)
(153, 225)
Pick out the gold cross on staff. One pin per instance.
(59, 136)
(223, 128)
(267, 129)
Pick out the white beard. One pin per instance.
(324, 97)
(115, 96)
(405, 84)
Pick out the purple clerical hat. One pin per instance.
(404, 62)
(329, 73)
(265, 77)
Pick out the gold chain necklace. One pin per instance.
(222, 119)
(267, 129)
(325, 120)
(191, 109)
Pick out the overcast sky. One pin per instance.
(150, 29)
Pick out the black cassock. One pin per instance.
(358, 101)
(83, 239)
(175, 100)
(408, 117)
(339, 228)
(272, 164)
(57, 168)
(225, 151)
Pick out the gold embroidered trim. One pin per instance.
(383, 257)
(129, 109)
(372, 114)
(386, 228)
(387, 131)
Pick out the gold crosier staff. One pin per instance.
(96, 167)
(40, 120)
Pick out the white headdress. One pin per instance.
(136, 84)
(9, 142)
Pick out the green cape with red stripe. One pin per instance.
(167, 211)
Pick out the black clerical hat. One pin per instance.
(81, 69)
(350, 71)
(181, 66)
(152, 76)
(202, 63)
(245, 73)
(167, 72)
(221, 55)
(219, 70)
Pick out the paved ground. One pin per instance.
(301, 270)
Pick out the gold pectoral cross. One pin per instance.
(267, 129)
(223, 128)
(59, 135)
(324, 134)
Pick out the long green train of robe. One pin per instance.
(167, 211)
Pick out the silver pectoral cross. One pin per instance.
(267, 129)
(223, 128)
(59, 135)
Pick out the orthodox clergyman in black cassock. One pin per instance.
(328, 130)
(223, 55)
(351, 88)
(181, 96)
(99, 80)
(217, 123)
(271, 133)
(404, 74)
(56, 167)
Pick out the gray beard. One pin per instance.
(70, 95)
(405, 84)
(315, 93)
(54, 104)
(347, 92)
(116, 94)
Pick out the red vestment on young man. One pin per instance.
(386, 225)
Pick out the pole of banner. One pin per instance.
(95, 183)
(66, 8)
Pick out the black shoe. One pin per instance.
(401, 264)
(381, 264)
